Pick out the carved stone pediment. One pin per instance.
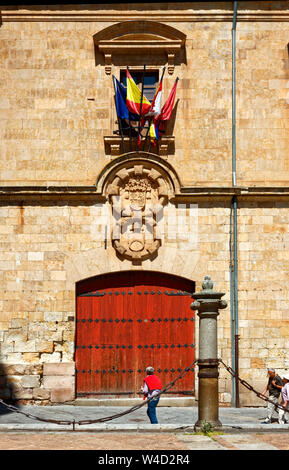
(131, 38)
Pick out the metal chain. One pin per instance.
(249, 387)
(136, 407)
(107, 418)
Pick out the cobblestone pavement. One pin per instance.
(139, 441)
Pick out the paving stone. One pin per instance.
(245, 442)
(200, 443)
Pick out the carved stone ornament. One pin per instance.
(140, 38)
(137, 196)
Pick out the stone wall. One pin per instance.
(38, 383)
(263, 297)
(52, 133)
(56, 106)
(46, 250)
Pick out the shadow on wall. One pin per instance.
(7, 391)
(169, 129)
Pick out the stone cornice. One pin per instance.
(9, 193)
(15, 15)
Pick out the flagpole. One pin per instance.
(129, 119)
(140, 109)
(150, 146)
(163, 72)
(118, 118)
(148, 129)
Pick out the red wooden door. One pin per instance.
(128, 321)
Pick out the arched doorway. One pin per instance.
(127, 321)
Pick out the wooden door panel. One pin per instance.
(127, 321)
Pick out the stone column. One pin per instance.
(207, 303)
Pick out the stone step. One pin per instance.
(172, 401)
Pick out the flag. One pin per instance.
(153, 132)
(156, 103)
(139, 141)
(120, 100)
(169, 104)
(134, 97)
(155, 109)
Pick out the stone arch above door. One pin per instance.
(101, 260)
(97, 261)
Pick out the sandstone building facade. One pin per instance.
(62, 165)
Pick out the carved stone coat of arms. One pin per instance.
(137, 196)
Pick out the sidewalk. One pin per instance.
(171, 419)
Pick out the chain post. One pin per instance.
(207, 303)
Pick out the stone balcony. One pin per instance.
(116, 146)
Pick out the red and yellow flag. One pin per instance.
(133, 97)
(154, 132)
(169, 104)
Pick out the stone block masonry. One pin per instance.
(38, 316)
(34, 383)
(51, 133)
(56, 107)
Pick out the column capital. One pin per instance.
(208, 300)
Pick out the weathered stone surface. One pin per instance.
(62, 395)
(23, 394)
(41, 394)
(30, 357)
(58, 382)
(30, 381)
(15, 369)
(225, 398)
(51, 134)
(61, 368)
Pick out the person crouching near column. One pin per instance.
(284, 415)
(151, 388)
